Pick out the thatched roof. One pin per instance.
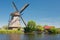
(15, 14)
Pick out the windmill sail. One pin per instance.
(15, 6)
(23, 21)
(24, 7)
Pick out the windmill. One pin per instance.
(15, 17)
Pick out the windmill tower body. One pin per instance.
(15, 21)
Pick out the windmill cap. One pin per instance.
(15, 14)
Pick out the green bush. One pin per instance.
(39, 28)
(31, 25)
(58, 30)
(27, 29)
(53, 30)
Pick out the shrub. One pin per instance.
(39, 28)
(53, 30)
(31, 25)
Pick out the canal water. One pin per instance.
(30, 37)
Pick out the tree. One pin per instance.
(39, 28)
(31, 25)
(53, 29)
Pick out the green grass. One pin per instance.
(10, 32)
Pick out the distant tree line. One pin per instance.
(32, 26)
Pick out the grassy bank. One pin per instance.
(21, 32)
(11, 32)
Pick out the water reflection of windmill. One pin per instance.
(15, 17)
(14, 37)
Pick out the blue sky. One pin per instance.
(44, 12)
